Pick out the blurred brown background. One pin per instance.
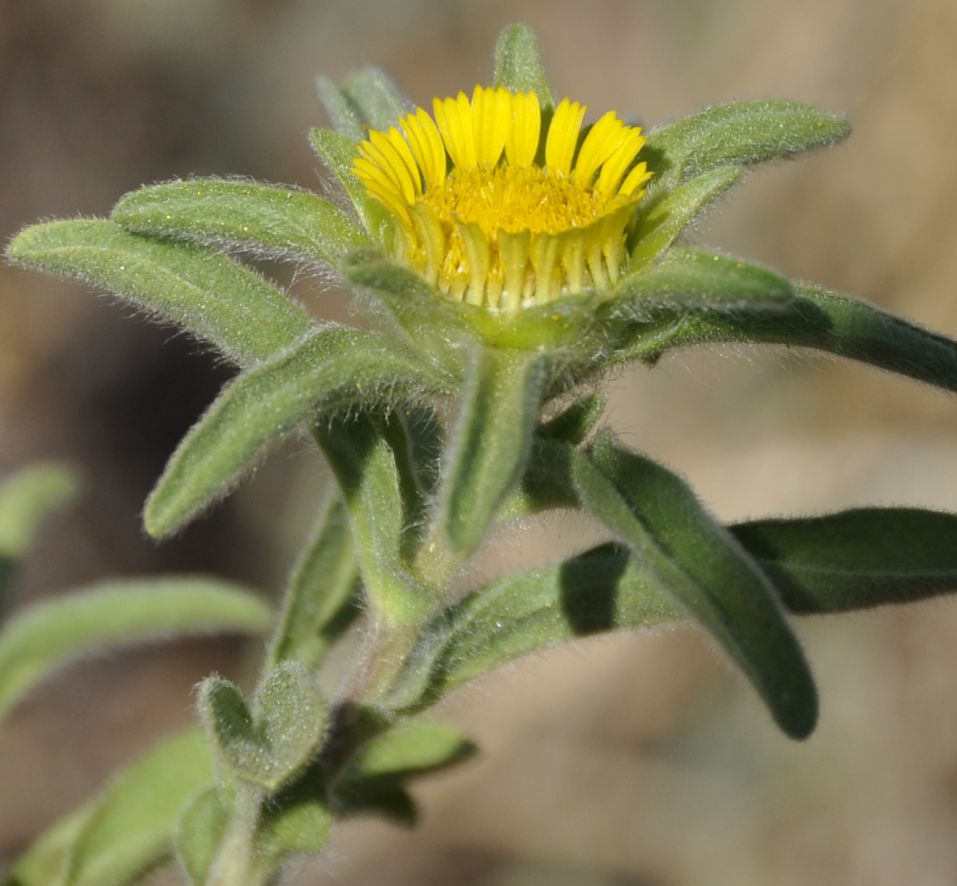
(635, 760)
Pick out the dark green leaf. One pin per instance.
(323, 597)
(663, 221)
(573, 424)
(267, 221)
(297, 824)
(130, 827)
(742, 133)
(490, 443)
(342, 113)
(826, 321)
(855, 559)
(377, 99)
(600, 590)
(691, 281)
(697, 561)
(519, 66)
(115, 614)
(331, 367)
(197, 288)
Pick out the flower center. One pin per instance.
(515, 199)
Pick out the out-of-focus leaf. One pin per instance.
(44, 863)
(332, 366)
(365, 466)
(378, 100)
(268, 745)
(600, 590)
(342, 112)
(130, 826)
(855, 559)
(27, 498)
(115, 614)
(819, 319)
(322, 599)
(490, 443)
(691, 281)
(265, 220)
(199, 833)
(742, 133)
(668, 217)
(194, 287)
(519, 66)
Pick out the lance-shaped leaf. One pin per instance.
(342, 112)
(322, 599)
(265, 220)
(691, 281)
(742, 133)
(371, 482)
(490, 443)
(665, 219)
(855, 559)
(115, 614)
(375, 96)
(338, 153)
(27, 498)
(194, 287)
(267, 745)
(199, 834)
(601, 590)
(519, 66)
(819, 319)
(332, 366)
(128, 828)
(573, 424)
(699, 563)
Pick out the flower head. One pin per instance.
(499, 204)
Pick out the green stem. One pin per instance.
(234, 864)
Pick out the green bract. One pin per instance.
(446, 420)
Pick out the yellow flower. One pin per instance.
(495, 212)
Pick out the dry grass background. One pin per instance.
(635, 760)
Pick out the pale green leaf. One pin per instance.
(519, 66)
(333, 366)
(490, 443)
(323, 597)
(27, 498)
(661, 222)
(342, 112)
(855, 559)
(194, 287)
(264, 220)
(199, 834)
(742, 133)
(338, 153)
(130, 827)
(115, 614)
(377, 99)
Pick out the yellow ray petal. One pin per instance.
(603, 139)
(491, 113)
(521, 144)
(615, 166)
(426, 146)
(563, 135)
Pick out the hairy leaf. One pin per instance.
(114, 614)
(338, 153)
(366, 469)
(325, 370)
(490, 443)
(265, 220)
(663, 221)
(742, 133)
(519, 66)
(819, 319)
(573, 424)
(130, 826)
(322, 599)
(268, 745)
(375, 96)
(857, 558)
(199, 833)
(341, 111)
(194, 287)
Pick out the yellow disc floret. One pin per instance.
(494, 211)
